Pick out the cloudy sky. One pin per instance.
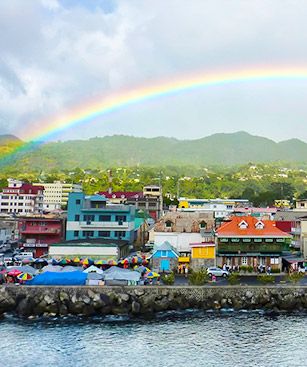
(56, 54)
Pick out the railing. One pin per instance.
(92, 224)
(251, 247)
(40, 230)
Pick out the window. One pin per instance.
(246, 240)
(259, 225)
(269, 240)
(164, 253)
(104, 233)
(77, 217)
(235, 240)
(274, 260)
(244, 260)
(168, 224)
(78, 202)
(120, 218)
(224, 240)
(257, 240)
(89, 218)
(243, 225)
(76, 233)
(88, 234)
(203, 225)
(120, 234)
(104, 218)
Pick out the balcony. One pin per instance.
(40, 230)
(224, 248)
(103, 225)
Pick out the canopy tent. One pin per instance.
(68, 269)
(93, 269)
(116, 273)
(66, 278)
(94, 276)
(52, 268)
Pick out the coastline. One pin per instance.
(28, 301)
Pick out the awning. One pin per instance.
(183, 259)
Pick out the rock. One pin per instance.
(63, 310)
(135, 307)
(249, 294)
(124, 297)
(139, 292)
(48, 299)
(86, 300)
(24, 307)
(63, 297)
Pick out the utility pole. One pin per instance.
(110, 181)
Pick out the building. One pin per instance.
(21, 198)
(248, 241)
(181, 229)
(262, 213)
(36, 233)
(220, 207)
(96, 249)
(301, 204)
(290, 221)
(203, 253)
(150, 200)
(164, 258)
(56, 194)
(92, 217)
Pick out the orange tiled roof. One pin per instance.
(233, 228)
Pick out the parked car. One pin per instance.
(217, 272)
(302, 270)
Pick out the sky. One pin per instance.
(56, 54)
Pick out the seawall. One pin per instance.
(63, 300)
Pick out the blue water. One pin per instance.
(170, 339)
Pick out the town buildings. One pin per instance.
(92, 217)
(56, 194)
(181, 229)
(150, 200)
(248, 241)
(220, 207)
(37, 232)
(20, 198)
(301, 204)
(164, 258)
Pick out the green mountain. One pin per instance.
(120, 150)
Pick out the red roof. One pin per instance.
(123, 194)
(25, 189)
(249, 226)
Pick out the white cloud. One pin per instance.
(57, 54)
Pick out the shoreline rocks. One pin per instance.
(28, 301)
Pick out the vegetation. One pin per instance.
(295, 277)
(245, 269)
(198, 277)
(266, 278)
(233, 278)
(168, 279)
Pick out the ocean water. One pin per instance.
(190, 338)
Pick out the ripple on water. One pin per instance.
(195, 338)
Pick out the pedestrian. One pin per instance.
(158, 281)
(224, 267)
(186, 271)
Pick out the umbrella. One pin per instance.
(14, 272)
(136, 260)
(24, 276)
(142, 269)
(125, 262)
(152, 274)
(112, 262)
(28, 260)
(53, 268)
(76, 260)
(101, 262)
(87, 261)
(39, 261)
(55, 262)
(4, 271)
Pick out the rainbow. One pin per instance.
(106, 105)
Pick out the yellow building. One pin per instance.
(202, 255)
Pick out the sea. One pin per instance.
(187, 338)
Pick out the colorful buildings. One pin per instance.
(92, 217)
(203, 253)
(21, 198)
(248, 241)
(181, 229)
(220, 207)
(36, 233)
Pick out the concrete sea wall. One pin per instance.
(59, 300)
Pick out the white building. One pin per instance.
(56, 194)
(21, 198)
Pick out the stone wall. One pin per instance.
(56, 300)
